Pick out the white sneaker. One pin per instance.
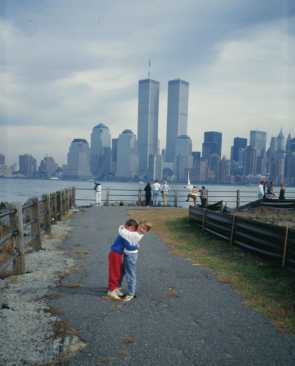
(128, 298)
(114, 295)
(119, 292)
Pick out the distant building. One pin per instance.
(184, 160)
(127, 159)
(100, 151)
(212, 144)
(196, 165)
(78, 160)
(147, 125)
(27, 165)
(249, 161)
(47, 167)
(177, 114)
(2, 159)
(290, 162)
(237, 151)
(225, 171)
(258, 142)
(114, 155)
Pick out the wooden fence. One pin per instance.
(269, 240)
(21, 226)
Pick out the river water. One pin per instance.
(20, 190)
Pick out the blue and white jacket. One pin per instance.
(126, 242)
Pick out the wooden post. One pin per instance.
(238, 199)
(36, 232)
(285, 246)
(16, 221)
(53, 207)
(66, 196)
(107, 197)
(204, 218)
(233, 229)
(58, 206)
(47, 213)
(73, 201)
(175, 199)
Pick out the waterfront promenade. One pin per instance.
(182, 315)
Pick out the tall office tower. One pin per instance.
(289, 138)
(281, 145)
(290, 162)
(237, 150)
(196, 163)
(258, 142)
(249, 166)
(2, 159)
(212, 144)
(27, 165)
(78, 160)
(127, 161)
(183, 157)
(225, 171)
(147, 125)
(114, 155)
(100, 151)
(178, 92)
(47, 167)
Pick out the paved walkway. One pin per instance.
(182, 315)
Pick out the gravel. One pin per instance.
(26, 325)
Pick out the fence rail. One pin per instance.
(268, 240)
(21, 226)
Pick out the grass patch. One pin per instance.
(264, 285)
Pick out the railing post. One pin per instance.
(54, 206)
(47, 213)
(36, 232)
(66, 195)
(139, 201)
(107, 203)
(285, 246)
(233, 229)
(175, 198)
(238, 199)
(16, 221)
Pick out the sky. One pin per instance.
(67, 65)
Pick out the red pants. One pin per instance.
(115, 270)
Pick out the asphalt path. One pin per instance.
(181, 316)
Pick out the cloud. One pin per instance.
(64, 69)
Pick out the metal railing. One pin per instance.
(21, 226)
(176, 196)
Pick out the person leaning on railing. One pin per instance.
(204, 196)
(164, 192)
(193, 194)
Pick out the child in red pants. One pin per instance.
(115, 261)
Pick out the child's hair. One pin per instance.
(147, 225)
(131, 222)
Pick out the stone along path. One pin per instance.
(182, 315)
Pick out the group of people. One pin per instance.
(266, 190)
(155, 191)
(122, 259)
(195, 192)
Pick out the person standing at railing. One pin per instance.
(164, 192)
(148, 194)
(282, 192)
(204, 196)
(98, 189)
(156, 193)
(260, 190)
(193, 194)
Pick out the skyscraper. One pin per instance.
(258, 142)
(100, 151)
(184, 159)
(178, 92)
(78, 160)
(27, 165)
(127, 161)
(147, 125)
(212, 144)
(2, 159)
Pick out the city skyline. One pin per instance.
(65, 69)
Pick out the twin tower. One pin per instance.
(148, 113)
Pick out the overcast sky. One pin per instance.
(68, 65)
